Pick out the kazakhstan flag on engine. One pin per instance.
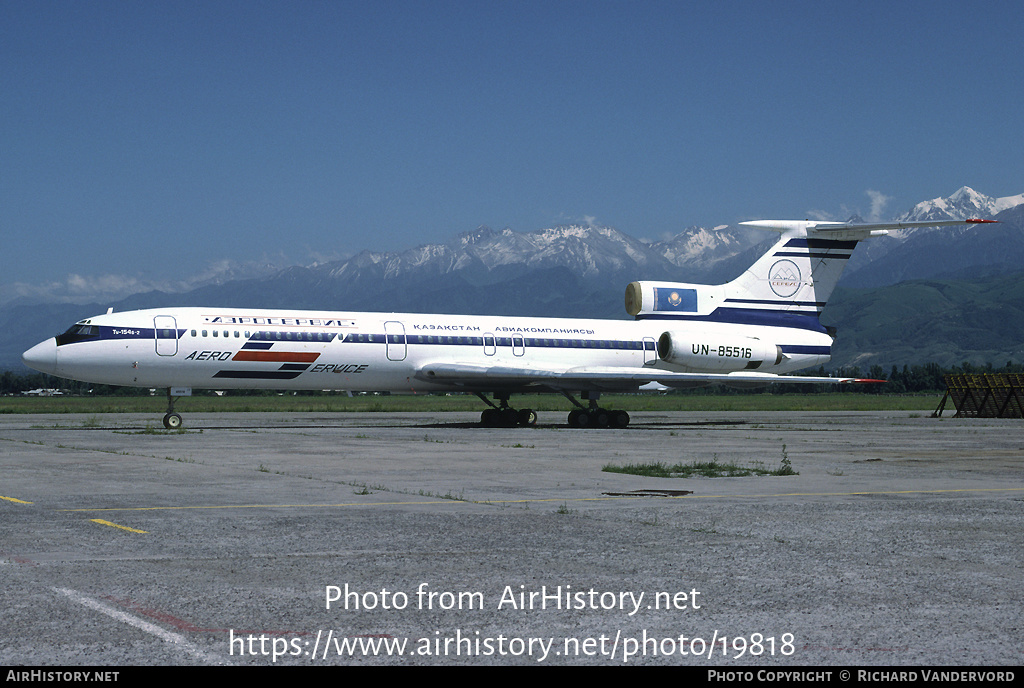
(670, 299)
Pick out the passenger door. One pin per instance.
(165, 331)
(394, 335)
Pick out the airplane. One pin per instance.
(748, 332)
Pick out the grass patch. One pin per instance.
(150, 430)
(702, 469)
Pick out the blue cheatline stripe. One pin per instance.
(748, 316)
(559, 342)
(258, 374)
(779, 302)
(822, 243)
(806, 349)
(812, 254)
(288, 336)
(531, 342)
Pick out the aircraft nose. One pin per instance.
(42, 357)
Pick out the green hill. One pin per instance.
(946, 322)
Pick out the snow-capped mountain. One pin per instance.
(588, 251)
(965, 203)
(944, 252)
(702, 249)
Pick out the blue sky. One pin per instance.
(145, 142)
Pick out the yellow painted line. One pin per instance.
(114, 525)
(12, 499)
(275, 506)
(440, 501)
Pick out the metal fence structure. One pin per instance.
(998, 395)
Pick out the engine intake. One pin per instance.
(667, 298)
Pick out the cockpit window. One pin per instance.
(78, 333)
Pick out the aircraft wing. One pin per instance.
(490, 378)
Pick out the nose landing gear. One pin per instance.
(172, 420)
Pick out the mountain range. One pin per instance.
(963, 305)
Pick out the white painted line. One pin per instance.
(177, 640)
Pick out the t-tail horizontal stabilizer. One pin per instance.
(813, 226)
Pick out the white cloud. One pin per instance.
(77, 288)
(585, 220)
(878, 203)
(820, 215)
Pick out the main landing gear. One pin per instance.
(594, 416)
(172, 420)
(505, 416)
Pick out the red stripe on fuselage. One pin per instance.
(276, 356)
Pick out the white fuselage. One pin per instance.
(320, 350)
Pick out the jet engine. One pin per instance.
(716, 353)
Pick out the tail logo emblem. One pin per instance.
(784, 278)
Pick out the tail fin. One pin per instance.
(796, 276)
(787, 286)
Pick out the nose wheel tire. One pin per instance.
(172, 421)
